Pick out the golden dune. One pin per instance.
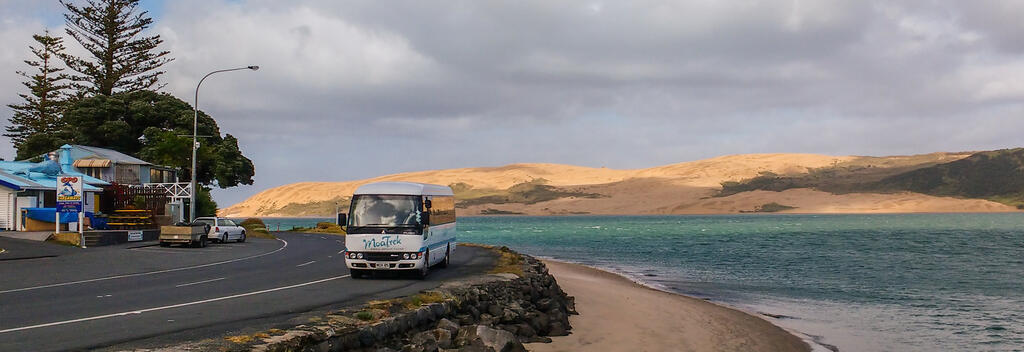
(683, 188)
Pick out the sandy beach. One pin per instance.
(617, 314)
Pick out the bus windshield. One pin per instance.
(385, 210)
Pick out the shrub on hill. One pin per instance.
(994, 175)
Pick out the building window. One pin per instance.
(159, 176)
(96, 172)
(127, 174)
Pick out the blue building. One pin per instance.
(26, 184)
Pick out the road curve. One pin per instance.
(125, 298)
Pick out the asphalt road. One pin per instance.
(126, 297)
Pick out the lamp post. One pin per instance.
(195, 142)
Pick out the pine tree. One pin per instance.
(122, 59)
(40, 113)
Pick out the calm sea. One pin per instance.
(909, 282)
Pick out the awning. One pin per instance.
(92, 163)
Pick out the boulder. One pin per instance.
(448, 325)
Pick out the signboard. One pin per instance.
(69, 194)
(134, 236)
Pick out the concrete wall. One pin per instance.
(110, 237)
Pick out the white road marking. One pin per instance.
(323, 238)
(339, 252)
(200, 282)
(102, 296)
(304, 264)
(146, 273)
(140, 311)
(165, 250)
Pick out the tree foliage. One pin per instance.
(164, 124)
(40, 111)
(122, 59)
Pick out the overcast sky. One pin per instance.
(355, 89)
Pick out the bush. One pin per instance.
(253, 221)
(364, 316)
(256, 228)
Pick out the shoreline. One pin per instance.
(656, 320)
(681, 214)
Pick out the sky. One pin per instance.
(355, 89)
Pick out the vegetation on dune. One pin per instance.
(994, 175)
(492, 211)
(772, 207)
(530, 192)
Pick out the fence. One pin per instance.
(118, 196)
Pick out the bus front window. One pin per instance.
(385, 210)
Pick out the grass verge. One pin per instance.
(508, 261)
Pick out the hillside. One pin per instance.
(805, 183)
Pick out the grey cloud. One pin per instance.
(363, 88)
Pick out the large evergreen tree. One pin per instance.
(157, 127)
(40, 112)
(122, 59)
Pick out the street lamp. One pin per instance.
(195, 142)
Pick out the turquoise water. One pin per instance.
(859, 282)
(911, 282)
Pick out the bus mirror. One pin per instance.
(427, 204)
(425, 217)
(342, 219)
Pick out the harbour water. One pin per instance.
(907, 282)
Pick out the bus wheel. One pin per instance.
(422, 273)
(447, 258)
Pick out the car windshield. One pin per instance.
(385, 210)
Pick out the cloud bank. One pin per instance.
(355, 89)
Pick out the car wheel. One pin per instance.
(242, 239)
(202, 242)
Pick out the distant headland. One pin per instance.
(988, 181)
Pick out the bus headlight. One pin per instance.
(359, 256)
(405, 256)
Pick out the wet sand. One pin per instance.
(617, 314)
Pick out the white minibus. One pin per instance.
(400, 226)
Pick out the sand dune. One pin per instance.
(683, 188)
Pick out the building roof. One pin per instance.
(40, 181)
(404, 188)
(108, 154)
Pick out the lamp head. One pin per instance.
(254, 67)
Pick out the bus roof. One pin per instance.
(405, 188)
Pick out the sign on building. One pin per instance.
(134, 235)
(69, 194)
